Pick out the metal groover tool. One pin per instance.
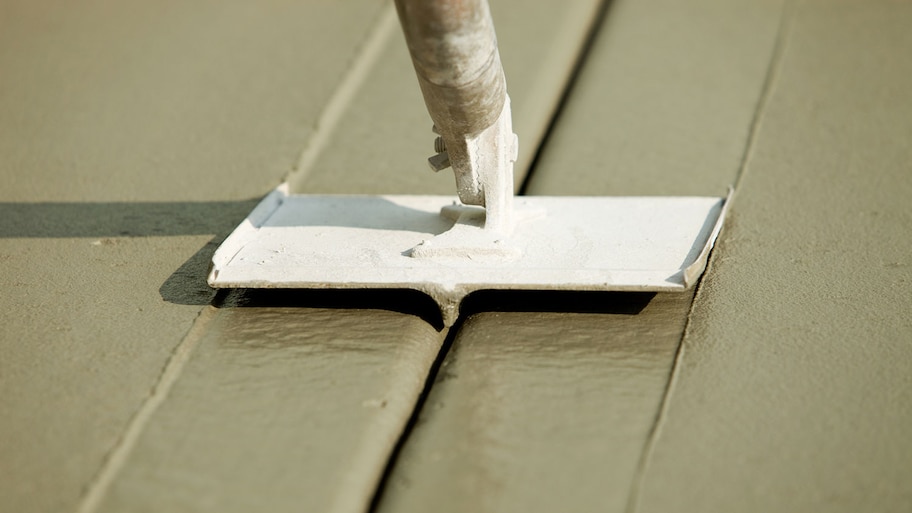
(485, 239)
(454, 51)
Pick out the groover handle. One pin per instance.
(454, 51)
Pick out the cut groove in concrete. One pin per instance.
(793, 391)
(529, 153)
(769, 83)
(598, 21)
(449, 335)
(339, 383)
(457, 458)
(117, 458)
(340, 100)
(385, 129)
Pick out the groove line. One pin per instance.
(449, 336)
(97, 489)
(771, 79)
(341, 99)
(585, 49)
(453, 332)
(769, 85)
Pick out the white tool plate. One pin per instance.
(570, 243)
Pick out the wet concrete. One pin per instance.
(549, 412)
(319, 448)
(281, 409)
(795, 384)
(121, 124)
(665, 100)
(536, 411)
(791, 392)
(82, 345)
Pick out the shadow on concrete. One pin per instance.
(404, 301)
(555, 301)
(413, 302)
(187, 285)
(121, 219)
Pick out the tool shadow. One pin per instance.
(187, 284)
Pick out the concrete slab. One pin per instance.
(138, 102)
(341, 474)
(540, 411)
(793, 390)
(130, 134)
(280, 408)
(82, 346)
(776, 402)
(664, 102)
(557, 416)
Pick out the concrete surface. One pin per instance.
(290, 419)
(664, 103)
(121, 125)
(794, 387)
(584, 438)
(132, 137)
(152, 454)
(542, 411)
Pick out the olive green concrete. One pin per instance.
(136, 101)
(122, 125)
(320, 448)
(130, 134)
(382, 140)
(82, 345)
(281, 409)
(665, 101)
(794, 389)
(547, 412)
(542, 411)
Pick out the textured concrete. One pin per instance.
(169, 101)
(542, 411)
(546, 412)
(130, 134)
(246, 450)
(296, 418)
(794, 391)
(665, 101)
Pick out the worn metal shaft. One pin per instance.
(454, 51)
